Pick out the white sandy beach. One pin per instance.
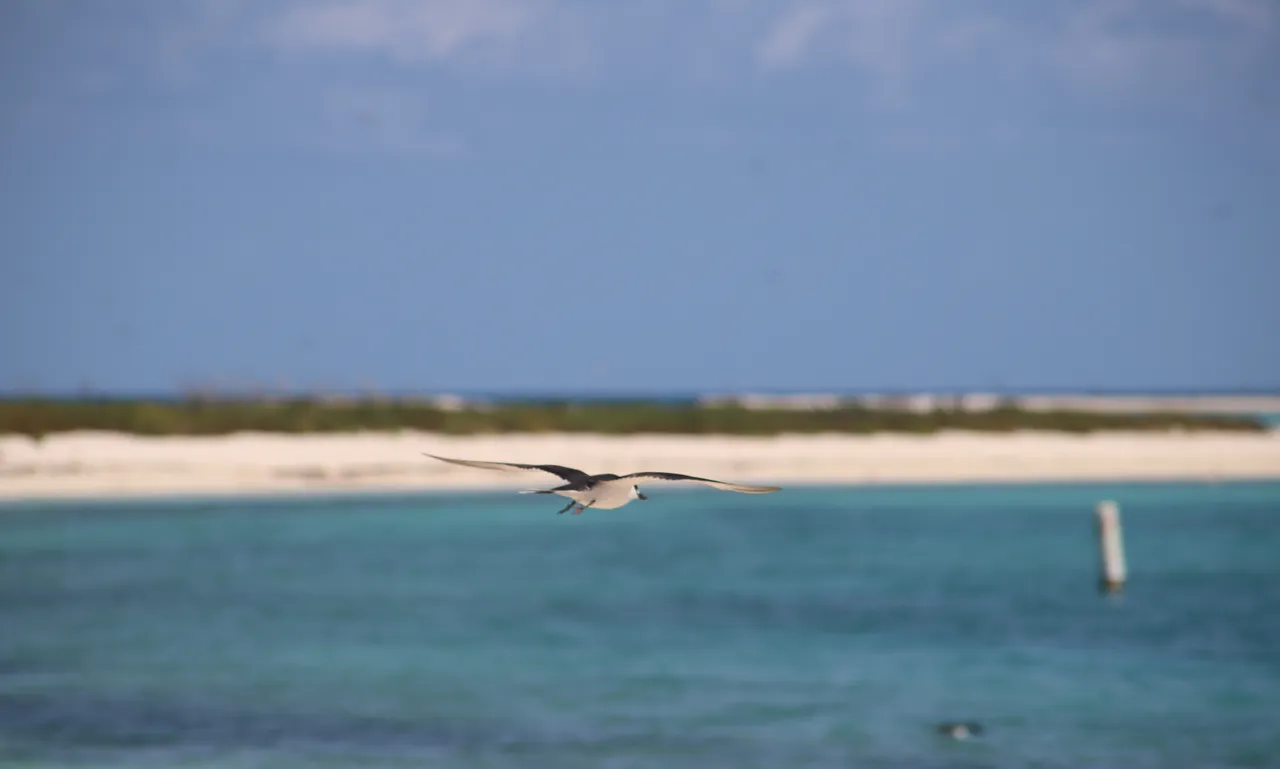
(106, 465)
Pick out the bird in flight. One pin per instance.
(604, 491)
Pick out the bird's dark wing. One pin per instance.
(567, 473)
(745, 489)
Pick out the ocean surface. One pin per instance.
(820, 627)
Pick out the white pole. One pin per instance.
(1111, 545)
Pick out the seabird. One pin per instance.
(604, 491)
(959, 731)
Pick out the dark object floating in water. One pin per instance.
(960, 730)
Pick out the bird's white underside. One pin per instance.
(604, 496)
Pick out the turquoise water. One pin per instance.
(810, 628)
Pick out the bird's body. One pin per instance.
(599, 495)
(604, 491)
(959, 731)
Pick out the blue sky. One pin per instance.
(557, 195)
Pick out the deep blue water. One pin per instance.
(669, 396)
(810, 628)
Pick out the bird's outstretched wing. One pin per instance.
(567, 473)
(741, 487)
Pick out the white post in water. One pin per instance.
(1111, 544)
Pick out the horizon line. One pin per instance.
(276, 392)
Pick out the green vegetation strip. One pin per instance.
(219, 417)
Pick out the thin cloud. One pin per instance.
(876, 36)
(1104, 45)
(790, 40)
(901, 49)
(1259, 15)
(406, 30)
(1122, 46)
(900, 54)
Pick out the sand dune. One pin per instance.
(88, 464)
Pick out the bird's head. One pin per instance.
(635, 492)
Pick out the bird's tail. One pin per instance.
(536, 491)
